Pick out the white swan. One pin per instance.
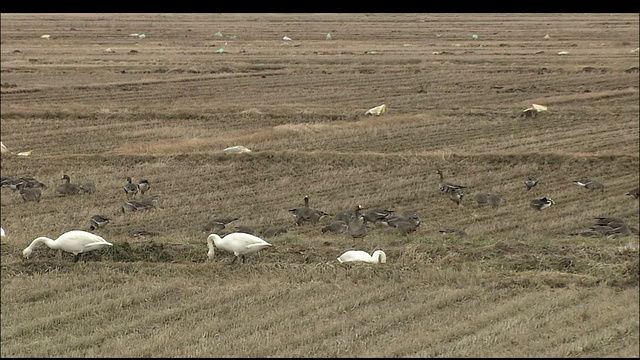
(74, 241)
(378, 256)
(240, 244)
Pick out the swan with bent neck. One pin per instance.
(378, 257)
(74, 241)
(240, 244)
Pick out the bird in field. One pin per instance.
(30, 194)
(378, 257)
(67, 188)
(447, 187)
(74, 241)
(130, 189)
(590, 184)
(98, 222)
(240, 244)
(531, 182)
(634, 193)
(143, 186)
(336, 227)
(541, 204)
(304, 213)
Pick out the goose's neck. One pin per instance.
(43, 240)
(306, 201)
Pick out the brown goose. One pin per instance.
(30, 194)
(531, 182)
(541, 204)
(375, 215)
(336, 227)
(494, 200)
(482, 198)
(358, 227)
(411, 219)
(130, 189)
(456, 196)
(67, 188)
(447, 187)
(306, 214)
(590, 184)
(98, 222)
(88, 187)
(143, 186)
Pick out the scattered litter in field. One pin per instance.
(547, 36)
(563, 53)
(142, 36)
(286, 38)
(236, 150)
(46, 36)
(328, 36)
(378, 110)
(134, 35)
(220, 51)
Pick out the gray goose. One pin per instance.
(30, 194)
(130, 189)
(494, 200)
(410, 219)
(456, 196)
(531, 182)
(482, 198)
(358, 226)
(218, 224)
(67, 188)
(306, 214)
(143, 186)
(375, 215)
(88, 187)
(98, 222)
(590, 184)
(447, 187)
(541, 204)
(336, 227)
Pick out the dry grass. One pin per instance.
(518, 286)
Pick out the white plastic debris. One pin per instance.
(46, 36)
(109, 50)
(142, 36)
(547, 36)
(328, 36)
(286, 38)
(236, 150)
(378, 110)
(563, 53)
(220, 51)
(134, 35)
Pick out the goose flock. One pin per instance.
(355, 223)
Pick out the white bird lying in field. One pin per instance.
(236, 150)
(378, 256)
(378, 110)
(240, 244)
(74, 241)
(2, 234)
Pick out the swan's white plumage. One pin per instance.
(74, 241)
(236, 150)
(378, 256)
(2, 234)
(240, 244)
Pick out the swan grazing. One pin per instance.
(240, 244)
(74, 241)
(378, 256)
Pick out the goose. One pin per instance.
(215, 225)
(401, 228)
(19, 183)
(88, 187)
(495, 200)
(271, 231)
(336, 227)
(307, 214)
(240, 244)
(347, 215)
(30, 194)
(134, 205)
(410, 218)
(590, 184)
(452, 231)
(541, 204)
(143, 186)
(98, 222)
(378, 257)
(67, 188)
(378, 110)
(456, 196)
(130, 189)
(531, 182)
(447, 187)
(375, 215)
(634, 193)
(74, 241)
(358, 227)
(482, 198)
